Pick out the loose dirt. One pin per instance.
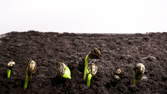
(118, 51)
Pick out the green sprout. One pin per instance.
(94, 54)
(89, 79)
(139, 73)
(92, 70)
(10, 66)
(63, 70)
(30, 70)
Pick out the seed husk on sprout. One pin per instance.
(139, 73)
(10, 66)
(30, 70)
(117, 77)
(63, 70)
(140, 68)
(118, 71)
(93, 68)
(92, 72)
(118, 74)
(93, 54)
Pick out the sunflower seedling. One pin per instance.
(92, 70)
(30, 70)
(63, 70)
(10, 66)
(139, 73)
(94, 54)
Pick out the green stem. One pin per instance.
(86, 66)
(134, 82)
(9, 73)
(26, 81)
(136, 79)
(89, 79)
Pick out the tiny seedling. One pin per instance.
(139, 73)
(30, 69)
(10, 66)
(63, 70)
(94, 54)
(92, 70)
(118, 74)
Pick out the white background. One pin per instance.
(84, 16)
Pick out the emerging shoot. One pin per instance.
(30, 70)
(94, 54)
(118, 74)
(10, 66)
(63, 70)
(139, 73)
(92, 72)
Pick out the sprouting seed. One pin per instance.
(94, 54)
(10, 66)
(93, 68)
(63, 70)
(139, 73)
(92, 72)
(30, 70)
(140, 68)
(32, 67)
(118, 73)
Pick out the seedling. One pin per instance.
(63, 70)
(30, 70)
(94, 54)
(92, 70)
(10, 66)
(139, 73)
(118, 74)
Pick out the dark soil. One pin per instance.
(118, 50)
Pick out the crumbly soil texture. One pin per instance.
(118, 51)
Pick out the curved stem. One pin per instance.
(89, 79)
(86, 59)
(26, 81)
(9, 73)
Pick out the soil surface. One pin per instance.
(118, 51)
